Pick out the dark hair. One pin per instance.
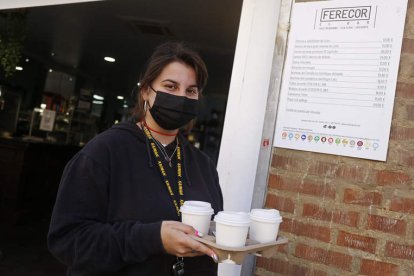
(163, 55)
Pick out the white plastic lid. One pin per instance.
(265, 215)
(233, 218)
(197, 208)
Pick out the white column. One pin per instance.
(246, 106)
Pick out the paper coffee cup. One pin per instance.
(197, 214)
(232, 228)
(264, 225)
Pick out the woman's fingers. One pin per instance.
(177, 241)
(186, 229)
(198, 246)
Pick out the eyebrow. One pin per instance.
(175, 82)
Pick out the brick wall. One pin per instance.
(349, 216)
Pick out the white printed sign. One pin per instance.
(48, 120)
(340, 77)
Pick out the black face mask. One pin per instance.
(171, 111)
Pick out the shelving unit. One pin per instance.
(73, 124)
(83, 127)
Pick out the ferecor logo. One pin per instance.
(346, 14)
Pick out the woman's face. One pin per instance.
(176, 78)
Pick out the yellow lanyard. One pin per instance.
(163, 172)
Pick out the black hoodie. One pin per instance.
(111, 202)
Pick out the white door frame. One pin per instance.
(243, 163)
(247, 102)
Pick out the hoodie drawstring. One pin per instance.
(150, 164)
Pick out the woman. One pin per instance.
(116, 211)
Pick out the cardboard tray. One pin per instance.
(236, 255)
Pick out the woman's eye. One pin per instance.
(171, 86)
(192, 91)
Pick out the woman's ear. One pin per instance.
(144, 93)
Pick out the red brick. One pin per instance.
(322, 168)
(401, 133)
(337, 216)
(260, 262)
(318, 273)
(286, 225)
(392, 178)
(408, 46)
(356, 241)
(285, 267)
(402, 157)
(283, 248)
(410, 112)
(275, 180)
(406, 158)
(298, 270)
(263, 262)
(348, 172)
(407, 271)
(304, 186)
(308, 230)
(405, 90)
(288, 163)
(402, 205)
(281, 266)
(280, 203)
(375, 268)
(352, 172)
(388, 225)
(352, 196)
(322, 256)
(400, 251)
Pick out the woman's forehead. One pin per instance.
(178, 72)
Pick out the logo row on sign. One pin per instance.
(329, 140)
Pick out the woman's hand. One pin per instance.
(176, 241)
